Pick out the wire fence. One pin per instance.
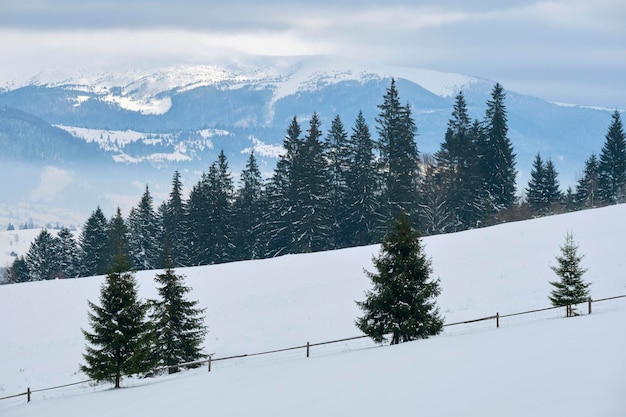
(210, 360)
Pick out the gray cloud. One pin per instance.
(562, 50)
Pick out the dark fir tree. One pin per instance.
(210, 216)
(247, 211)
(143, 237)
(402, 301)
(178, 323)
(312, 220)
(586, 195)
(458, 169)
(339, 157)
(68, 254)
(543, 191)
(18, 271)
(92, 242)
(41, 258)
(363, 221)
(277, 230)
(119, 341)
(498, 159)
(612, 165)
(174, 248)
(222, 194)
(571, 288)
(434, 214)
(554, 196)
(399, 156)
(535, 190)
(197, 222)
(117, 243)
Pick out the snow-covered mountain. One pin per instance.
(150, 121)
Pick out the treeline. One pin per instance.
(337, 190)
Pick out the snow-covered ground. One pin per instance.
(533, 365)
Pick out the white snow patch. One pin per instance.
(263, 149)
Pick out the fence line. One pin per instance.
(308, 345)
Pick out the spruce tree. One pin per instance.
(339, 157)
(586, 195)
(197, 222)
(543, 190)
(222, 194)
(277, 231)
(458, 169)
(571, 288)
(18, 271)
(210, 216)
(435, 216)
(553, 193)
(174, 233)
(363, 223)
(248, 212)
(402, 302)
(143, 228)
(119, 342)
(312, 219)
(117, 243)
(42, 259)
(399, 156)
(92, 240)
(612, 165)
(68, 254)
(178, 323)
(498, 159)
(535, 190)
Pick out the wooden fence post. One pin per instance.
(589, 305)
(28, 394)
(497, 320)
(308, 347)
(209, 363)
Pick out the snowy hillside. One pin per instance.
(539, 364)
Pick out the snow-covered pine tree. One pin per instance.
(174, 234)
(179, 328)
(571, 289)
(119, 343)
(41, 257)
(144, 231)
(402, 302)
(68, 254)
(18, 271)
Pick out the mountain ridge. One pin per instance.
(177, 110)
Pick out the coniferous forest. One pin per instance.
(333, 188)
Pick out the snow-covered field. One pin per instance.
(534, 365)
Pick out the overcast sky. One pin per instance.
(562, 50)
